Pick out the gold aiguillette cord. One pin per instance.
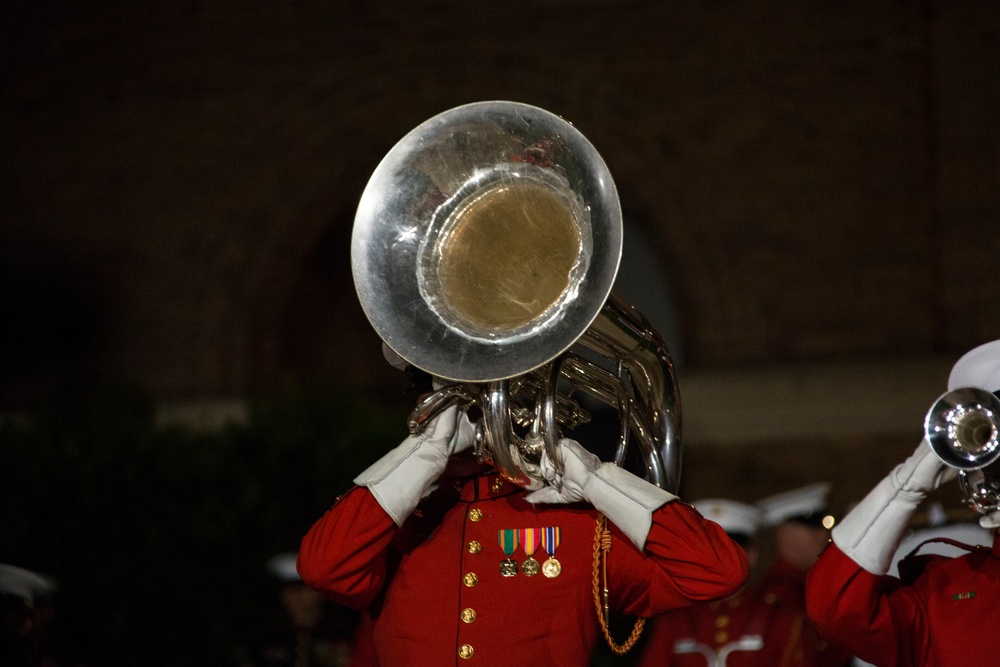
(602, 545)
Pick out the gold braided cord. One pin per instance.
(602, 545)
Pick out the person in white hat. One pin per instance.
(752, 628)
(798, 523)
(939, 616)
(22, 593)
(309, 632)
(692, 636)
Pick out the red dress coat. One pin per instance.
(436, 595)
(946, 617)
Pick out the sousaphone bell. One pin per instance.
(484, 251)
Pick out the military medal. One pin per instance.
(508, 542)
(551, 568)
(530, 537)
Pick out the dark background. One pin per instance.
(812, 220)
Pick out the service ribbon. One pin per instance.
(530, 537)
(508, 540)
(550, 539)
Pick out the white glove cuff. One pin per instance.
(402, 477)
(407, 473)
(871, 532)
(626, 500)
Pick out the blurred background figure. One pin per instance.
(709, 632)
(799, 524)
(310, 631)
(26, 618)
(756, 627)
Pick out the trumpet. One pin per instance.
(484, 251)
(962, 429)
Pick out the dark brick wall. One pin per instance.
(179, 179)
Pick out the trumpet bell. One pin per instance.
(486, 241)
(962, 428)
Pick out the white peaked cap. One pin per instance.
(979, 367)
(798, 503)
(283, 567)
(734, 517)
(25, 584)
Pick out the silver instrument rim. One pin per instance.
(384, 245)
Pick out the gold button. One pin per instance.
(721, 637)
(470, 579)
(474, 547)
(497, 485)
(721, 621)
(475, 514)
(464, 651)
(468, 614)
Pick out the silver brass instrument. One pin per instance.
(484, 250)
(962, 429)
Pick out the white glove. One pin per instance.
(407, 473)
(871, 532)
(990, 521)
(624, 498)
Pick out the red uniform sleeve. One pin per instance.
(686, 559)
(344, 554)
(873, 616)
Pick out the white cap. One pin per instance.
(25, 584)
(734, 517)
(979, 367)
(807, 503)
(283, 567)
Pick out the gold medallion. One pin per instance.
(551, 568)
(530, 567)
(508, 567)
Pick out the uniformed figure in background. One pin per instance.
(27, 631)
(799, 524)
(708, 634)
(753, 628)
(309, 632)
(456, 565)
(940, 614)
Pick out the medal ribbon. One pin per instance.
(530, 537)
(508, 540)
(550, 539)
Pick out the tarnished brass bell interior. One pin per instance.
(507, 255)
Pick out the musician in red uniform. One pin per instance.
(456, 565)
(764, 625)
(799, 522)
(943, 616)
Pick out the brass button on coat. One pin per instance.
(468, 614)
(464, 651)
(474, 547)
(470, 579)
(475, 514)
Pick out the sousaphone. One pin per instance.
(484, 251)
